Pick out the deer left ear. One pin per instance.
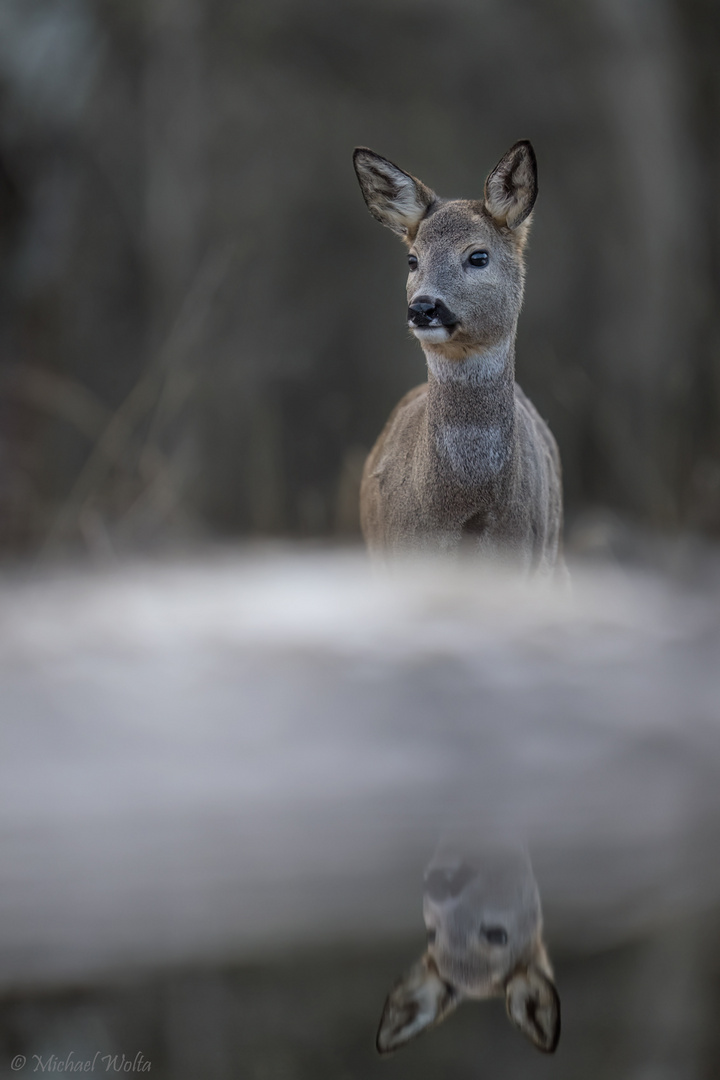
(511, 188)
(533, 1006)
(419, 1000)
(393, 197)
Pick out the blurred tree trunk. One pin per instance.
(175, 123)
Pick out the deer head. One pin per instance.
(484, 927)
(465, 285)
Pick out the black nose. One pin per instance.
(425, 311)
(422, 311)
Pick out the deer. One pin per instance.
(485, 939)
(465, 463)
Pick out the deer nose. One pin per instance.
(424, 311)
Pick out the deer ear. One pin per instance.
(533, 1006)
(511, 188)
(419, 1000)
(394, 197)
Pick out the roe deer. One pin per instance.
(484, 930)
(464, 461)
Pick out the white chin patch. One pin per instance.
(431, 334)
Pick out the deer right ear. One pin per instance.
(533, 1006)
(511, 188)
(419, 1000)
(393, 197)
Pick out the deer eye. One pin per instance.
(479, 258)
(412, 262)
(494, 935)
(431, 935)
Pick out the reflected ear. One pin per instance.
(533, 1006)
(511, 188)
(417, 1001)
(393, 197)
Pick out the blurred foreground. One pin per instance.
(221, 779)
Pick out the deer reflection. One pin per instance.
(484, 927)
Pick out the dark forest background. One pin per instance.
(202, 330)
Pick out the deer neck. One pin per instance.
(471, 418)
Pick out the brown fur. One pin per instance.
(464, 463)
